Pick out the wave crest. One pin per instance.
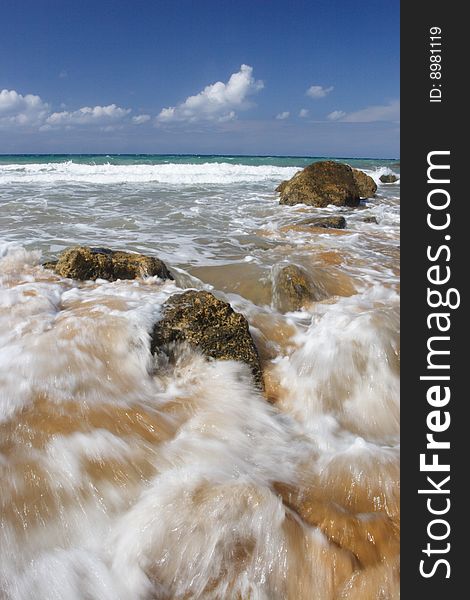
(172, 173)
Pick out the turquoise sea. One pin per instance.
(155, 159)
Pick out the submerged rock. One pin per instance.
(326, 222)
(293, 289)
(85, 263)
(370, 220)
(321, 183)
(210, 325)
(388, 178)
(366, 185)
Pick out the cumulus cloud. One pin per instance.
(96, 115)
(318, 91)
(30, 111)
(303, 113)
(336, 115)
(283, 115)
(24, 111)
(371, 114)
(216, 102)
(140, 119)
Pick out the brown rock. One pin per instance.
(210, 325)
(320, 184)
(293, 289)
(366, 185)
(50, 265)
(370, 220)
(388, 178)
(371, 540)
(326, 222)
(281, 186)
(85, 263)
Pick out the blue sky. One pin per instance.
(313, 77)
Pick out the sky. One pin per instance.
(271, 77)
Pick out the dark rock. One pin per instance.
(388, 178)
(102, 251)
(204, 322)
(293, 289)
(370, 220)
(366, 185)
(320, 184)
(85, 263)
(326, 222)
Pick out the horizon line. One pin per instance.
(193, 154)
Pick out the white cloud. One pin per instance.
(283, 115)
(303, 113)
(386, 112)
(96, 115)
(18, 110)
(216, 102)
(335, 115)
(318, 91)
(371, 114)
(139, 119)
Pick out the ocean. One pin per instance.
(127, 478)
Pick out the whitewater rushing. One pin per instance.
(176, 174)
(125, 476)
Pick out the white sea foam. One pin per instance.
(377, 173)
(173, 174)
(347, 366)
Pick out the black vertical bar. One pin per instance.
(433, 120)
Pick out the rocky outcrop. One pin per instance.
(321, 183)
(84, 263)
(208, 324)
(325, 222)
(388, 178)
(280, 188)
(293, 288)
(366, 185)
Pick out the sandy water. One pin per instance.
(127, 478)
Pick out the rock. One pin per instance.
(321, 183)
(51, 265)
(366, 185)
(85, 263)
(388, 178)
(370, 220)
(368, 539)
(326, 222)
(281, 186)
(210, 325)
(293, 289)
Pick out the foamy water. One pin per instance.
(128, 478)
(186, 174)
